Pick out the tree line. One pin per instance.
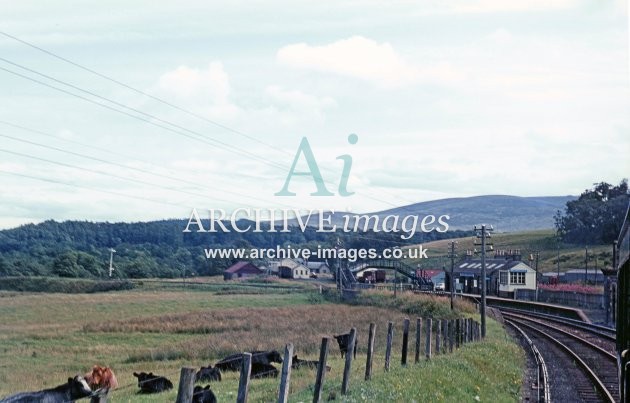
(596, 216)
(80, 249)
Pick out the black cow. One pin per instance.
(75, 388)
(150, 383)
(234, 362)
(208, 374)
(260, 370)
(203, 395)
(344, 340)
(297, 363)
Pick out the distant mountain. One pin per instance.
(504, 213)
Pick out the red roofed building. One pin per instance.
(241, 270)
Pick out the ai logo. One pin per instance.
(313, 170)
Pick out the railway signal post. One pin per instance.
(483, 234)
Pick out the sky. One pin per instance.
(134, 111)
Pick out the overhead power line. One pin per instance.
(161, 176)
(149, 118)
(160, 100)
(143, 93)
(96, 171)
(55, 181)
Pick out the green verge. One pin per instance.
(482, 371)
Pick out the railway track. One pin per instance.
(579, 369)
(605, 332)
(595, 336)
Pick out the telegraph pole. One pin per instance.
(111, 261)
(483, 233)
(451, 281)
(585, 265)
(533, 258)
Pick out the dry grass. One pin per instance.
(244, 329)
(47, 337)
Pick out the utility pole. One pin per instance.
(451, 281)
(483, 233)
(111, 261)
(585, 265)
(534, 258)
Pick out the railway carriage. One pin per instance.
(623, 308)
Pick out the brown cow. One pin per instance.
(101, 377)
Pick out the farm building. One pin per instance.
(288, 268)
(241, 270)
(318, 267)
(505, 273)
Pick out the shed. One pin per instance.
(289, 268)
(241, 270)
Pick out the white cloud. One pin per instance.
(365, 59)
(205, 89)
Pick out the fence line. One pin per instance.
(449, 335)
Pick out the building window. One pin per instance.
(503, 278)
(517, 278)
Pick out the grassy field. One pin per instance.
(571, 256)
(45, 338)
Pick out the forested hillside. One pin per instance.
(154, 249)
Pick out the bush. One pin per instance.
(413, 304)
(59, 285)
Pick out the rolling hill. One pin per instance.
(505, 213)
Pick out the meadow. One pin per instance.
(161, 327)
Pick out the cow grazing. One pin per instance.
(101, 378)
(150, 383)
(76, 388)
(344, 340)
(235, 361)
(263, 371)
(203, 395)
(208, 374)
(298, 363)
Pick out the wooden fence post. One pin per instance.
(348, 367)
(285, 379)
(405, 342)
(388, 348)
(465, 331)
(370, 352)
(445, 336)
(243, 383)
(451, 336)
(438, 339)
(418, 338)
(457, 330)
(186, 385)
(321, 370)
(429, 327)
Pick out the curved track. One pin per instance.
(592, 368)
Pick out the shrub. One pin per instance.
(59, 285)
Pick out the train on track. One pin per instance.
(623, 307)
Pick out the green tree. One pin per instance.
(596, 216)
(65, 265)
